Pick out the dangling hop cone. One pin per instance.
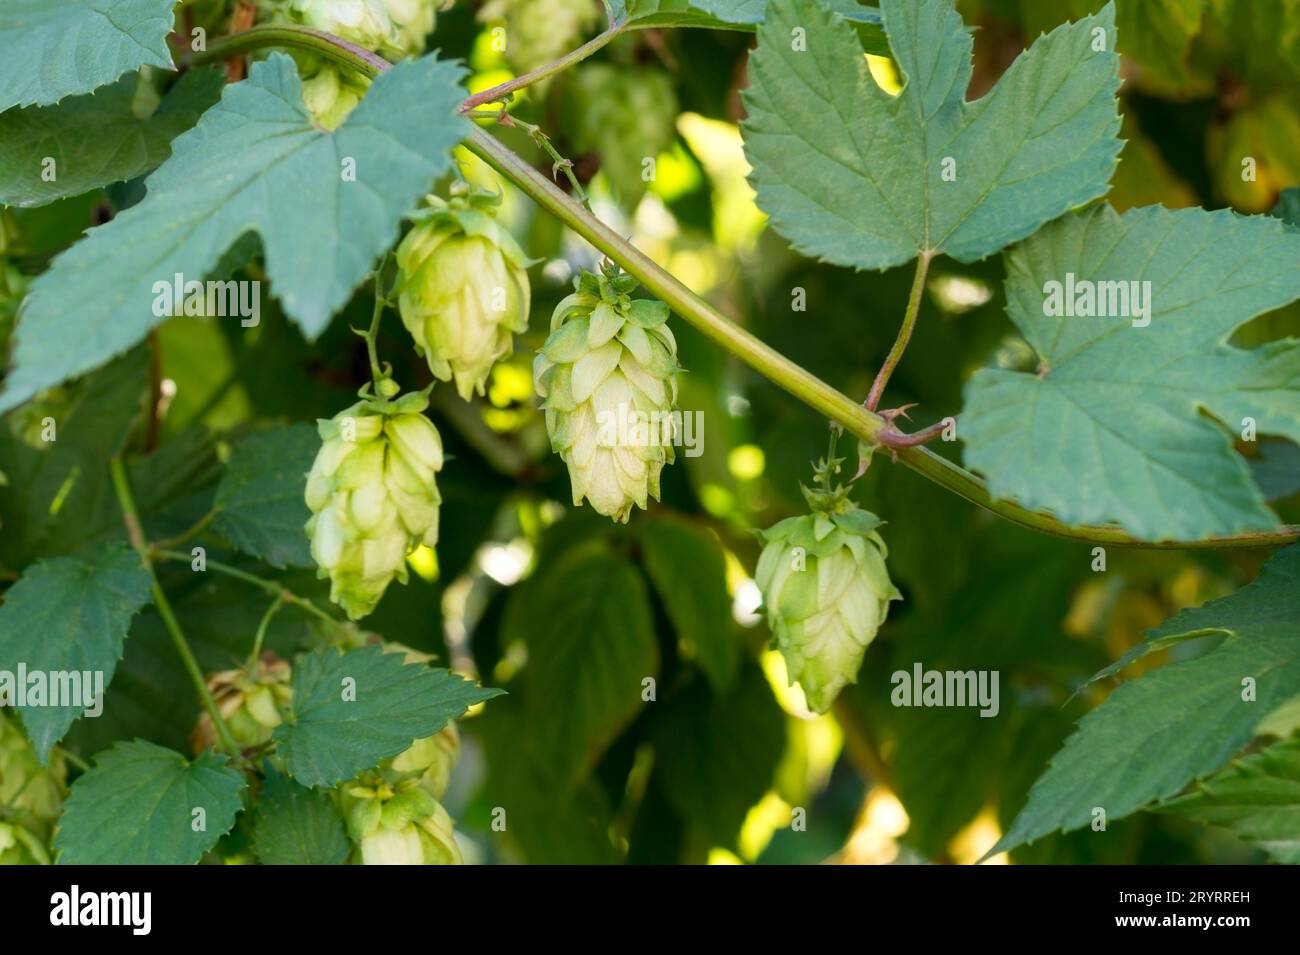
(826, 591)
(373, 497)
(462, 289)
(608, 373)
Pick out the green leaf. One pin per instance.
(687, 566)
(715, 756)
(1257, 797)
(585, 619)
(352, 710)
(260, 503)
(856, 177)
(288, 181)
(96, 139)
(69, 616)
(1118, 406)
(139, 806)
(50, 49)
(1180, 722)
(294, 825)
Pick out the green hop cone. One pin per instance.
(462, 289)
(626, 115)
(330, 93)
(826, 591)
(539, 31)
(30, 797)
(402, 824)
(373, 496)
(608, 374)
(363, 22)
(430, 760)
(252, 703)
(413, 21)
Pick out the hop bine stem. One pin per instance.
(798, 381)
(135, 532)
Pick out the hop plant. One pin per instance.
(462, 289)
(608, 374)
(412, 22)
(251, 701)
(330, 93)
(539, 31)
(364, 22)
(626, 115)
(373, 496)
(826, 591)
(30, 798)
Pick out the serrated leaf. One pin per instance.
(294, 825)
(586, 622)
(137, 807)
(50, 49)
(715, 756)
(96, 139)
(1257, 797)
(69, 616)
(1118, 405)
(287, 182)
(352, 710)
(687, 566)
(260, 503)
(856, 177)
(1176, 724)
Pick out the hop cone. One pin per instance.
(539, 31)
(626, 115)
(252, 704)
(363, 22)
(608, 374)
(826, 591)
(30, 797)
(393, 813)
(330, 93)
(373, 497)
(462, 290)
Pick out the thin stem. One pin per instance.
(73, 758)
(268, 586)
(502, 90)
(376, 373)
(904, 332)
(558, 162)
(193, 530)
(774, 366)
(134, 530)
(267, 617)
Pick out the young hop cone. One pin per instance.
(539, 31)
(462, 289)
(826, 592)
(251, 702)
(30, 797)
(608, 374)
(393, 813)
(373, 497)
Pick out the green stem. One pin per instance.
(192, 531)
(267, 617)
(135, 531)
(503, 90)
(904, 333)
(376, 373)
(338, 51)
(771, 364)
(268, 586)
